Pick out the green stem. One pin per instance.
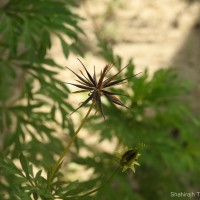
(58, 163)
(101, 186)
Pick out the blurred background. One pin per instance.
(161, 39)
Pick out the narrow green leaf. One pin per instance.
(65, 47)
(53, 110)
(72, 185)
(24, 165)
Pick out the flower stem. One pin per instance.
(59, 162)
(101, 186)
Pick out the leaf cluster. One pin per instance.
(32, 98)
(160, 117)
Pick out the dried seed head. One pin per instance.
(98, 87)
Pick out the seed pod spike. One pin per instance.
(114, 76)
(88, 83)
(80, 91)
(100, 106)
(89, 76)
(115, 100)
(119, 81)
(79, 86)
(84, 103)
(112, 93)
(94, 76)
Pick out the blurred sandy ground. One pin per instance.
(156, 34)
(150, 32)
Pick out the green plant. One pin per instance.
(32, 138)
(32, 95)
(161, 119)
(26, 31)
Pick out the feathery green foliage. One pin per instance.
(31, 98)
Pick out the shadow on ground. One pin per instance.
(187, 60)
